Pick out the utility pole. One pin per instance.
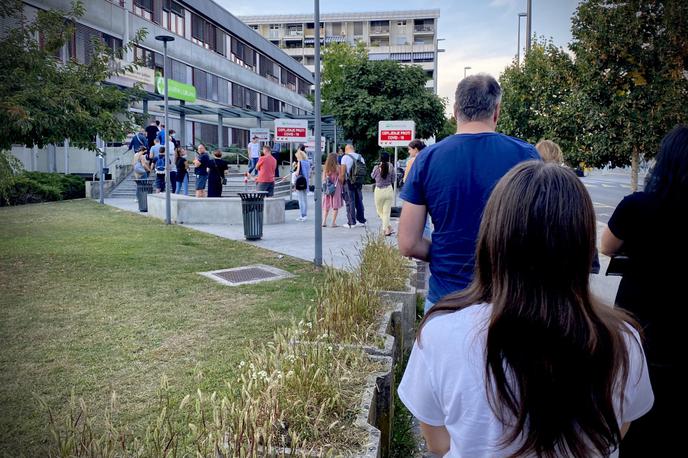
(317, 154)
(529, 23)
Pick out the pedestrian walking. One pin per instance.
(526, 361)
(451, 181)
(141, 165)
(201, 163)
(160, 163)
(353, 173)
(302, 182)
(265, 181)
(384, 193)
(182, 177)
(152, 132)
(138, 140)
(277, 153)
(332, 190)
(650, 228)
(253, 149)
(217, 167)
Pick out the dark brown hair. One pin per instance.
(554, 356)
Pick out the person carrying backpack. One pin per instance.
(160, 170)
(353, 173)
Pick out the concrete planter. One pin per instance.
(407, 313)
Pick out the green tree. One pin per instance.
(536, 98)
(43, 100)
(362, 93)
(336, 58)
(631, 77)
(448, 128)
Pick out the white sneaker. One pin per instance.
(299, 218)
(349, 226)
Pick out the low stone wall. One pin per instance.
(93, 188)
(213, 210)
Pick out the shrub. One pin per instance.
(34, 187)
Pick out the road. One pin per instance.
(607, 189)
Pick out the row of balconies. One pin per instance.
(372, 30)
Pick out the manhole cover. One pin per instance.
(246, 275)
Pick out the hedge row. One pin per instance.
(35, 187)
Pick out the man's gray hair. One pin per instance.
(477, 97)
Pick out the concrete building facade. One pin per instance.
(408, 37)
(239, 76)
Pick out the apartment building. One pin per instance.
(241, 79)
(408, 37)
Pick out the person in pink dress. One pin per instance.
(332, 190)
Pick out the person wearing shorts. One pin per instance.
(201, 170)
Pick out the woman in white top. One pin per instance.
(525, 362)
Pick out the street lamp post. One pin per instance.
(518, 45)
(168, 150)
(464, 70)
(318, 154)
(529, 22)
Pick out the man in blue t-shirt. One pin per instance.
(201, 164)
(452, 180)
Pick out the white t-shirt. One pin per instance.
(254, 150)
(348, 161)
(444, 383)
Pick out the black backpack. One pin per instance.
(301, 183)
(358, 172)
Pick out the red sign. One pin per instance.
(396, 135)
(291, 132)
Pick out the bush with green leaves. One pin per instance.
(35, 187)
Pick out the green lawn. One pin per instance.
(97, 300)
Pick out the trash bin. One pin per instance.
(252, 204)
(144, 186)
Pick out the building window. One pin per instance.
(274, 31)
(242, 54)
(240, 137)
(294, 30)
(337, 29)
(223, 91)
(144, 8)
(379, 27)
(304, 87)
(173, 17)
(358, 29)
(268, 103)
(144, 57)
(269, 69)
(200, 82)
(401, 23)
(203, 33)
(288, 79)
(423, 25)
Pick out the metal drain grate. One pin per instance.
(246, 275)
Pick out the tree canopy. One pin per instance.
(44, 100)
(623, 89)
(360, 93)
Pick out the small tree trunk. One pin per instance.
(634, 169)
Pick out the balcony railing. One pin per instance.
(423, 28)
(379, 30)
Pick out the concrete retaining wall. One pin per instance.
(93, 188)
(214, 210)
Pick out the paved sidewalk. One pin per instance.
(340, 245)
(295, 238)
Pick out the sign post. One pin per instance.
(291, 131)
(395, 133)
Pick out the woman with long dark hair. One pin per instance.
(650, 227)
(384, 193)
(525, 362)
(332, 194)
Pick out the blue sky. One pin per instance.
(481, 34)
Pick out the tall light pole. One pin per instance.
(168, 150)
(518, 45)
(464, 70)
(318, 154)
(529, 13)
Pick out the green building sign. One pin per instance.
(176, 89)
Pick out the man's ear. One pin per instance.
(496, 112)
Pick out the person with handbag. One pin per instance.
(384, 193)
(301, 183)
(216, 174)
(650, 227)
(332, 190)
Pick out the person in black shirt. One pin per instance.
(650, 227)
(216, 172)
(152, 132)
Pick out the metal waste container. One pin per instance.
(144, 186)
(252, 204)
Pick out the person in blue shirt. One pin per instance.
(451, 181)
